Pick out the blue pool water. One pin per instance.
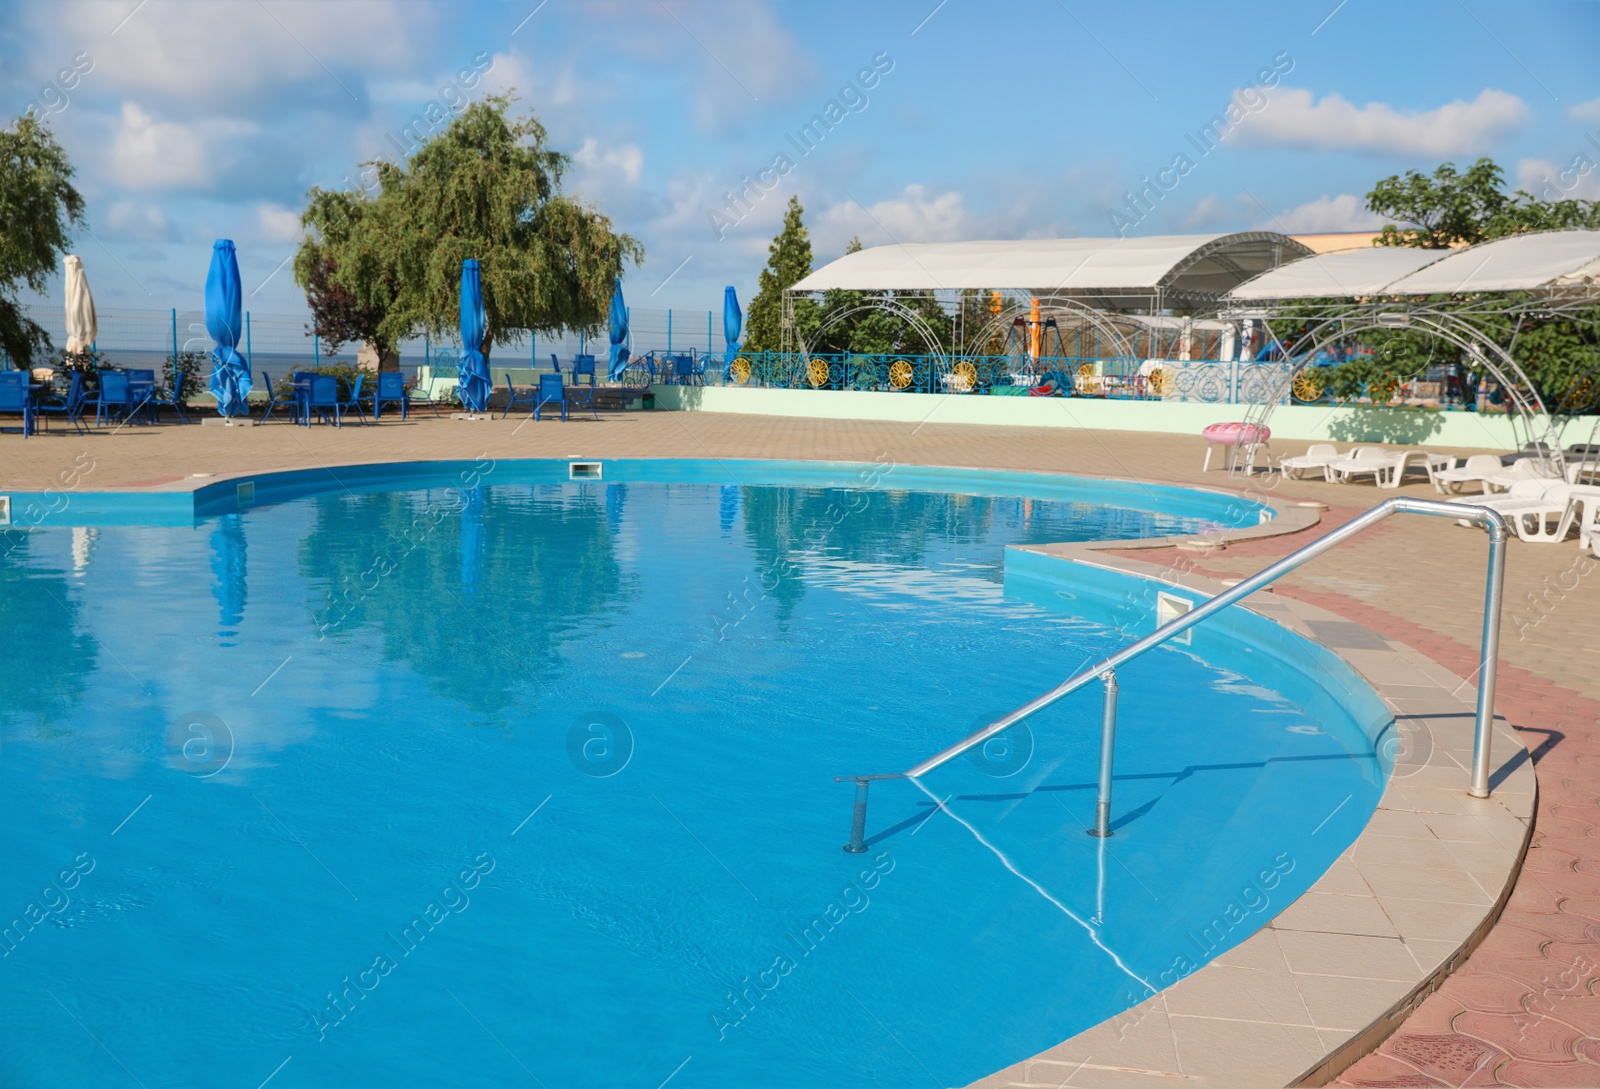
(533, 782)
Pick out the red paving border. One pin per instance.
(1523, 1010)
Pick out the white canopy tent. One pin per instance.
(1541, 260)
(1523, 262)
(1344, 274)
(1116, 273)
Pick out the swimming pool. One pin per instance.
(534, 778)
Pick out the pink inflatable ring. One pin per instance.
(1237, 432)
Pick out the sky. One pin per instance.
(192, 120)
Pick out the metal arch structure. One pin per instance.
(1343, 322)
(889, 306)
(1099, 319)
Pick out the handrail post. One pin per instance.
(1488, 662)
(858, 819)
(1108, 745)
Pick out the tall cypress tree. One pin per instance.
(788, 262)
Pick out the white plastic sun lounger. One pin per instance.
(1316, 457)
(1388, 467)
(1543, 511)
(1384, 466)
(1524, 469)
(1475, 470)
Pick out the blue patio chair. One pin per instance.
(582, 392)
(13, 378)
(555, 362)
(391, 389)
(551, 392)
(322, 397)
(172, 396)
(114, 399)
(16, 399)
(345, 404)
(69, 407)
(513, 399)
(283, 397)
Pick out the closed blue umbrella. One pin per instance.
(230, 374)
(732, 324)
(618, 321)
(474, 368)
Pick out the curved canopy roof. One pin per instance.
(1348, 273)
(1523, 262)
(1207, 264)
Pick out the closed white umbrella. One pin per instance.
(82, 329)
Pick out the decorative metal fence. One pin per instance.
(1203, 381)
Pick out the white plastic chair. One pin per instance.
(1316, 457)
(1476, 468)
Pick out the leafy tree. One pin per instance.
(788, 262)
(341, 314)
(1450, 208)
(1447, 209)
(38, 209)
(487, 187)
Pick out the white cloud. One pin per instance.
(533, 82)
(200, 54)
(150, 154)
(1578, 179)
(1209, 211)
(1328, 215)
(914, 216)
(1292, 118)
(626, 158)
(133, 220)
(275, 223)
(1585, 111)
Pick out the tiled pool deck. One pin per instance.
(1521, 1010)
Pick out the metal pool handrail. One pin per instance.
(1489, 520)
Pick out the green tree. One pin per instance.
(341, 314)
(38, 209)
(1450, 208)
(788, 262)
(487, 187)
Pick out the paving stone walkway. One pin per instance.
(1522, 1011)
